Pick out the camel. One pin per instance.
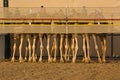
(34, 48)
(98, 15)
(86, 37)
(86, 47)
(15, 38)
(48, 48)
(74, 46)
(54, 47)
(71, 44)
(28, 48)
(67, 46)
(35, 39)
(41, 46)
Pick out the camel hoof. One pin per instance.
(25, 59)
(68, 59)
(104, 61)
(34, 60)
(40, 60)
(49, 60)
(21, 60)
(99, 60)
(30, 59)
(54, 60)
(89, 60)
(73, 60)
(83, 60)
(61, 60)
(65, 58)
(12, 60)
(86, 60)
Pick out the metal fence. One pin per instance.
(67, 13)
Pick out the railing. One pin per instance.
(60, 20)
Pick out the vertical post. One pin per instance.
(112, 53)
(112, 45)
(66, 19)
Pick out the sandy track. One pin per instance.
(59, 71)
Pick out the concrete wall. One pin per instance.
(1, 3)
(63, 3)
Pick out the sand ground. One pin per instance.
(60, 71)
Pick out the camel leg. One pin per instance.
(96, 47)
(26, 52)
(20, 48)
(33, 48)
(76, 48)
(55, 47)
(73, 47)
(52, 49)
(48, 48)
(41, 47)
(14, 50)
(61, 48)
(66, 46)
(29, 47)
(84, 49)
(103, 43)
(68, 54)
(88, 47)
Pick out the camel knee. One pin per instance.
(72, 48)
(14, 46)
(33, 47)
(20, 47)
(29, 47)
(88, 47)
(61, 48)
(66, 46)
(84, 47)
(96, 47)
(48, 47)
(41, 46)
(76, 47)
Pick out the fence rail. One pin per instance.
(59, 20)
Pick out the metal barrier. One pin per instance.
(59, 20)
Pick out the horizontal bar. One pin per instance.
(60, 29)
(86, 19)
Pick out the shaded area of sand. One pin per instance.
(59, 71)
